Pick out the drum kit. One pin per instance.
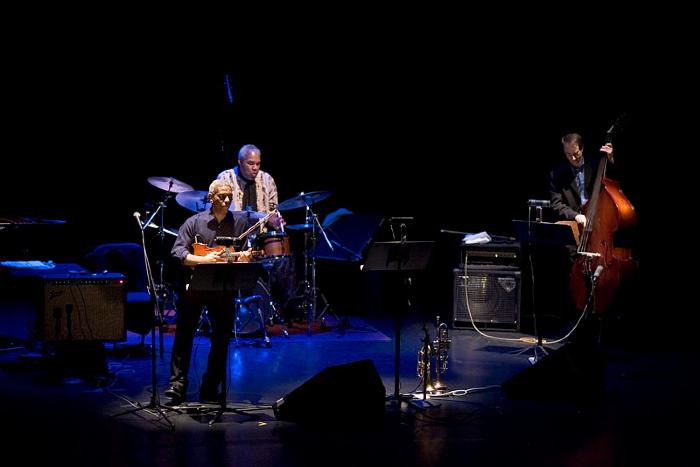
(274, 245)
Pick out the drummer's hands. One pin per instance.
(276, 221)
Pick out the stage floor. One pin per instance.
(646, 403)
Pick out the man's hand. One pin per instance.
(276, 221)
(608, 150)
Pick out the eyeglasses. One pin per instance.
(223, 196)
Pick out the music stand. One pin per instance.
(547, 234)
(219, 281)
(400, 257)
(544, 233)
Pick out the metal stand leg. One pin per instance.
(269, 265)
(204, 325)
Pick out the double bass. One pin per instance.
(600, 265)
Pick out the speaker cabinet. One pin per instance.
(348, 394)
(492, 295)
(81, 308)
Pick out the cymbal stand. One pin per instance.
(327, 307)
(310, 289)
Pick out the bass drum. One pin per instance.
(253, 311)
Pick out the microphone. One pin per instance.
(539, 203)
(137, 216)
(225, 241)
(597, 272)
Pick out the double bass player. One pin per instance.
(580, 190)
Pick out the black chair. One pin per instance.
(128, 259)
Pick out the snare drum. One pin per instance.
(274, 244)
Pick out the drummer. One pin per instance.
(254, 190)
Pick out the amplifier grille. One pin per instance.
(82, 309)
(493, 294)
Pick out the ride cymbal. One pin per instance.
(303, 200)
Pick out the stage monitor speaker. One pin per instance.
(348, 394)
(493, 297)
(573, 373)
(81, 308)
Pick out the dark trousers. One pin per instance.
(221, 309)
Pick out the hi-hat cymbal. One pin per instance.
(303, 200)
(169, 184)
(194, 200)
(249, 214)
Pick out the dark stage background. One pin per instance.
(458, 140)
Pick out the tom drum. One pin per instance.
(274, 244)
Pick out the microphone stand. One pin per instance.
(154, 403)
(159, 289)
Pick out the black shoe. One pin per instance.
(175, 394)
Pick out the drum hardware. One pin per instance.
(254, 312)
(204, 325)
(308, 292)
(253, 305)
(275, 316)
(171, 185)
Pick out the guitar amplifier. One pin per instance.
(504, 253)
(488, 295)
(81, 308)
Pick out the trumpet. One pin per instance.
(441, 345)
(437, 351)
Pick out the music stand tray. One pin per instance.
(399, 256)
(544, 233)
(224, 277)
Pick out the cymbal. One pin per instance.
(303, 200)
(249, 214)
(302, 227)
(194, 200)
(169, 184)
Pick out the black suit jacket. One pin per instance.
(563, 190)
